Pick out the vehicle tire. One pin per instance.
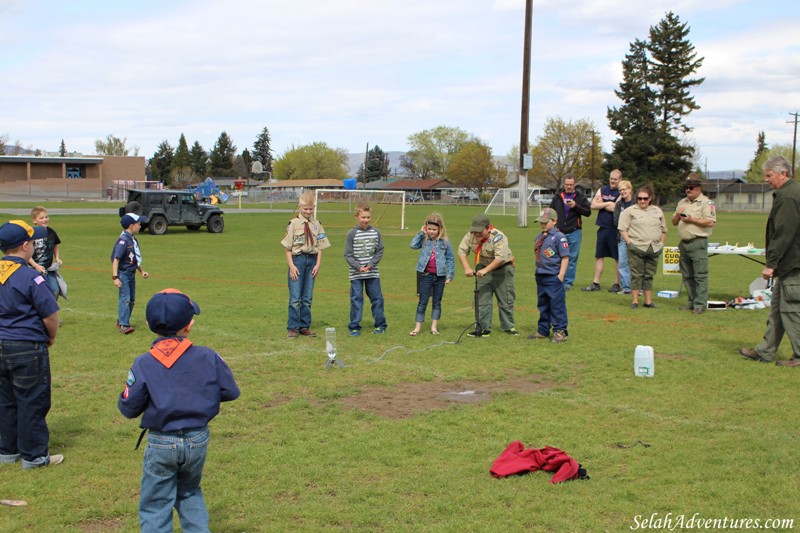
(157, 225)
(193, 227)
(134, 207)
(215, 224)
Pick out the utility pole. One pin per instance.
(794, 141)
(364, 175)
(522, 216)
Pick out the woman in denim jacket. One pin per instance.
(435, 269)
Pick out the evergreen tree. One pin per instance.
(754, 173)
(655, 98)
(161, 162)
(247, 164)
(222, 157)
(198, 160)
(182, 158)
(672, 60)
(62, 150)
(262, 150)
(377, 163)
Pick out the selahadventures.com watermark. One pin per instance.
(672, 522)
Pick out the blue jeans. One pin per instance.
(301, 292)
(552, 304)
(430, 284)
(623, 267)
(171, 474)
(373, 289)
(127, 296)
(574, 240)
(24, 402)
(52, 282)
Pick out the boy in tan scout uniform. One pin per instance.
(303, 243)
(695, 216)
(494, 267)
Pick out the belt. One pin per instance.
(692, 240)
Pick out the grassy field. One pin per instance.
(374, 446)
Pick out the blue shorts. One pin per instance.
(606, 244)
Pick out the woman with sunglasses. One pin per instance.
(644, 230)
(435, 268)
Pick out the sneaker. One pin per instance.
(537, 336)
(615, 288)
(55, 459)
(559, 336)
(634, 306)
(625, 291)
(126, 330)
(305, 332)
(476, 334)
(591, 288)
(567, 287)
(699, 310)
(512, 331)
(649, 306)
(292, 333)
(378, 331)
(355, 332)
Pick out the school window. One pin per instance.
(728, 198)
(75, 172)
(751, 198)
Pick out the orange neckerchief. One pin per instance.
(168, 350)
(6, 269)
(480, 245)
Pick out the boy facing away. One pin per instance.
(363, 250)
(46, 258)
(177, 387)
(552, 260)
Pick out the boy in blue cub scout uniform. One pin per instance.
(28, 326)
(552, 260)
(177, 387)
(126, 259)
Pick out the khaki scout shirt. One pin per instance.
(496, 246)
(295, 238)
(644, 226)
(701, 207)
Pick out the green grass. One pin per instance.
(287, 456)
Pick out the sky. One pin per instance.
(352, 73)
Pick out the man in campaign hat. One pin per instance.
(695, 217)
(494, 269)
(28, 327)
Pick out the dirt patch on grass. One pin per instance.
(406, 399)
(112, 524)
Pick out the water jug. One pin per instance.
(330, 342)
(644, 362)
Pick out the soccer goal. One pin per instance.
(506, 201)
(388, 207)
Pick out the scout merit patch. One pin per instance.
(6, 269)
(168, 351)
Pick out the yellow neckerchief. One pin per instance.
(168, 350)
(6, 269)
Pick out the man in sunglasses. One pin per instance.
(695, 217)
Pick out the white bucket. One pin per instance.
(644, 364)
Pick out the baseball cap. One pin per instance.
(15, 233)
(548, 213)
(169, 311)
(479, 223)
(132, 218)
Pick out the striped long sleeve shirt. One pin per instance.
(363, 247)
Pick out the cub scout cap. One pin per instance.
(479, 223)
(548, 213)
(169, 311)
(130, 219)
(15, 233)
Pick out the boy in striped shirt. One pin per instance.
(363, 250)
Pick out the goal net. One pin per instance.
(506, 201)
(388, 207)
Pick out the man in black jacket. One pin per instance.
(571, 205)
